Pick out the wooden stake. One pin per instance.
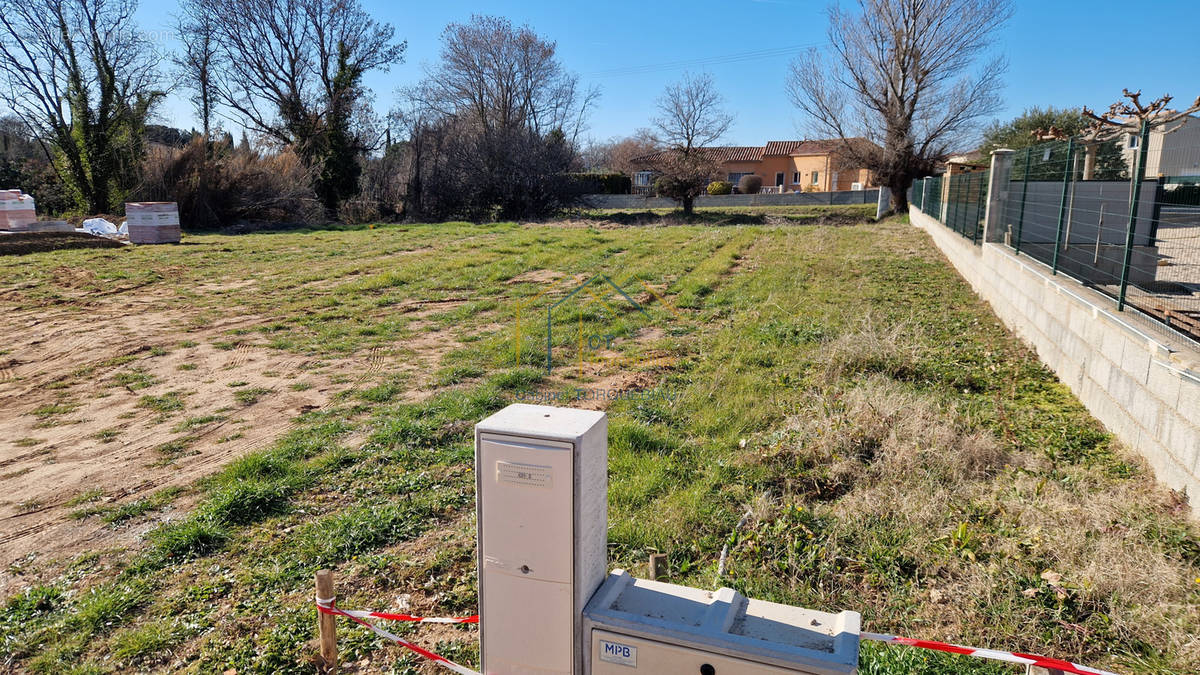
(658, 566)
(327, 623)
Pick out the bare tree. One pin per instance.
(196, 64)
(691, 116)
(80, 77)
(493, 126)
(503, 77)
(908, 75)
(621, 154)
(292, 70)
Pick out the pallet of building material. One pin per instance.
(154, 234)
(153, 222)
(17, 211)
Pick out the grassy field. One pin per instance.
(887, 445)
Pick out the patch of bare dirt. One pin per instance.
(81, 428)
(607, 374)
(536, 277)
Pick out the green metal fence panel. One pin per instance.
(931, 203)
(967, 204)
(1088, 210)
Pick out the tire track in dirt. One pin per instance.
(22, 457)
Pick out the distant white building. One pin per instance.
(1171, 154)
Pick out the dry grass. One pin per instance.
(886, 467)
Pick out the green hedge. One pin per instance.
(602, 183)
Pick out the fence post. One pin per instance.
(658, 566)
(943, 199)
(964, 188)
(948, 209)
(964, 194)
(1024, 195)
(327, 623)
(1135, 199)
(980, 209)
(997, 195)
(1158, 201)
(952, 203)
(1062, 204)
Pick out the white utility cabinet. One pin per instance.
(640, 626)
(542, 518)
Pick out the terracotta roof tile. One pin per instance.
(739, 153)
(832, 145)
(782, 147)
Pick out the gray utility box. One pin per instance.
(640, 626)
(542, 507)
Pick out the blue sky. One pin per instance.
(1062, 53)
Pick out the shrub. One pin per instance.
(720, 187)
(750, 185)
(381, 195)
(219, 185)
(602, 183)
(457, 172)
(679, 188)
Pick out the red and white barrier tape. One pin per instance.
(1010, 657)
(327, 606)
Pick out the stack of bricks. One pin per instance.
(16, 211)
(152, 222)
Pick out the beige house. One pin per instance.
(784, 166)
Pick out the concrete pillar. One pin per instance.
(883, 203)
(998, 182)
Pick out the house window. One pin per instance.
(1134, 140)
(795, 178)
(642, 178)
(816, 177)
(735, 177)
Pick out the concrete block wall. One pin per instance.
(1141, 381)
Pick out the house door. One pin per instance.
(779, 179)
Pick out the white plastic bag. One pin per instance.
(123, 229)
(99, 227)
